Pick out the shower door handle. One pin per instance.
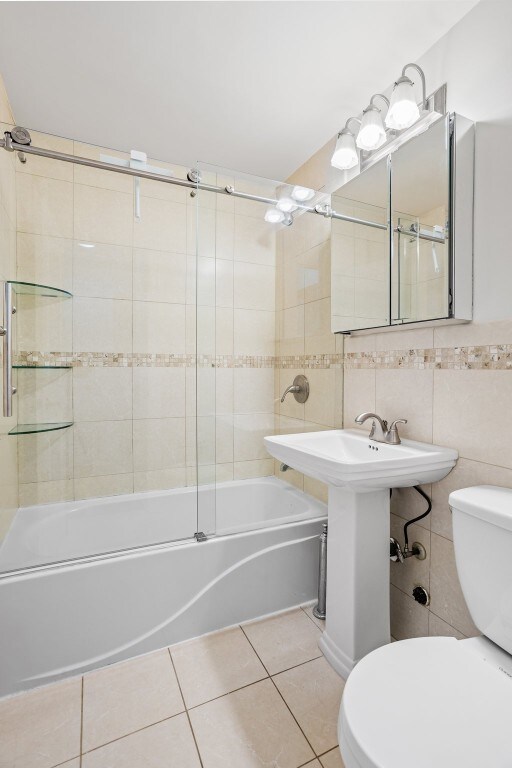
(6, 333)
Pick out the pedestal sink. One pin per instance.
(360, 474)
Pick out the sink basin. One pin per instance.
(346, 457)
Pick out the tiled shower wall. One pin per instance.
(8, 443)
(305, 344)
(130, 332)
(236, 397)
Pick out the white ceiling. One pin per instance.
(253, 86)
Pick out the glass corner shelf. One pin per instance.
(30, 429)
(34, 289)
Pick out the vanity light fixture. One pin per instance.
(302, 194)
(372, 133)
(403, 110)
(345, 153)
(274, 216)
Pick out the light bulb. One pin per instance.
(273, 216)
(302, 194)
(286, 204)
(345, 153)
(403, 110)
(371, 134)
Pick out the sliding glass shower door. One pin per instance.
(111, 346)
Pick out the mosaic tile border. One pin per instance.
(496, 357)
(491, 357)
(334, 360)
(138, 360)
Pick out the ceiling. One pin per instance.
(253, 86)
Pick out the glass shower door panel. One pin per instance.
(206, 356)
(115, 359)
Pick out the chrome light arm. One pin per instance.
(379, 96)
(423, 83)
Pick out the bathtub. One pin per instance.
(71, 600)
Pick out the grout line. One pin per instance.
(186, 709)
(177, 678)
(223, 695)
(260, 680)
(291, 713)
(137, 730)
(295, 666)
(279, 692)
(429, 610)
(447, 622)
(67, 761)
(312, 620)
(319, 757)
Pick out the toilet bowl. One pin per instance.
(438, 702)
(431, 702)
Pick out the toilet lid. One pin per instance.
(428, 703)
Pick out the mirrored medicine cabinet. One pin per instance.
(403, 254)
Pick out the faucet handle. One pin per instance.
(299, 388)
(392, 434)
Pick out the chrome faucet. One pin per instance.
(380, 432)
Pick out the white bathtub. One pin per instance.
(60, 620)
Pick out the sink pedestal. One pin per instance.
(359, 474)
(357, 606)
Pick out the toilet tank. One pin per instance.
(482, 536)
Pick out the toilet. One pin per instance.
(438, 702)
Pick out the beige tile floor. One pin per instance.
(253, 695)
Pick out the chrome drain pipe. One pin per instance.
(319, 609)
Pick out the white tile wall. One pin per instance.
(135, 291)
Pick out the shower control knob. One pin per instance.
(421, 595)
